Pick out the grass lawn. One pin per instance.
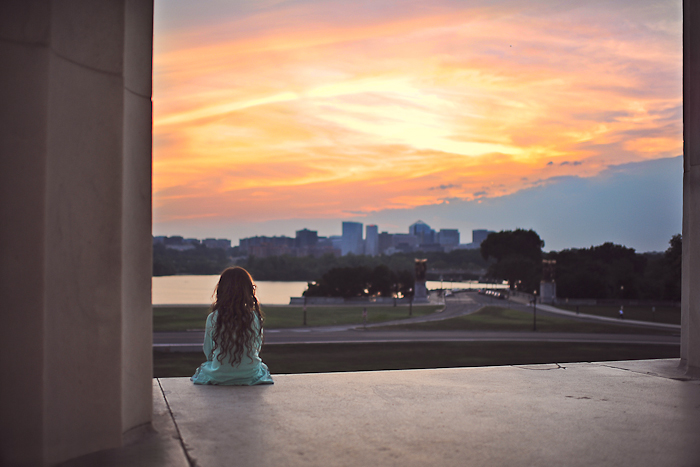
(662, 314)
(495, 318)
(170, 318)
(180, 318)
(321, 358)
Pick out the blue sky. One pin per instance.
(638, 205)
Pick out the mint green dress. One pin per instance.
(251, 369)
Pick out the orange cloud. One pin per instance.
(324, 116)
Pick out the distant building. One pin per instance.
(480, 235)
(178, 243)
(352, 238)
(183, 247)
(267, 246)
(323, 246)
(221, 243)
(371, 240)
(306, 238)
(385, 241)
(405, 242)
(173, 241)
(448, 237)
(422, 231)
(336, 242)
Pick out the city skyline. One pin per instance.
(272, 116)
(546, 209)
(420, 238)
(306, 231)
(315, 232)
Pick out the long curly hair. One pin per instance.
(237, 306)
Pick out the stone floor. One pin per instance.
(641, 413)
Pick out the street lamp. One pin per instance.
(534, 310)
(305, 297)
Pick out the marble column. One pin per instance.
(690, 300)
(75, 210)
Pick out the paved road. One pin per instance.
(460, 304)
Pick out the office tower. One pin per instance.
(352, 238)
(371, 240)
(480, 235)
(306, 238)
(423, 232)
(448, 237)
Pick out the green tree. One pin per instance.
(607, 271)
(341, 282)
(381, 281)
(406, 282)
(198, 260)
(673, 258)
(518, 256)
(361, 281)
(308, 268)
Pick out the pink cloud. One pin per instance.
(322, 108)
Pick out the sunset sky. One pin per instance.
(271, 116)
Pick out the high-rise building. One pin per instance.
(422, 231)
(371, 240)
(306, 238)
(480, 235)
(352, 238)
(448, 237)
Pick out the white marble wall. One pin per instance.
(75, 264)
(690, 304)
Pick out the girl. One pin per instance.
(233, 335)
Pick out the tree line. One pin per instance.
(612, 271)
(196, 261)
(361, 281)
(309, 268)
(607, 271)
(202, 260)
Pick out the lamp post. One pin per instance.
(534, 310)
(305, 310)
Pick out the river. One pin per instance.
(197, 290)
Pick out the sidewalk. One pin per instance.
(605, 319)
(641, 413)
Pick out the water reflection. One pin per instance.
(197, 290)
